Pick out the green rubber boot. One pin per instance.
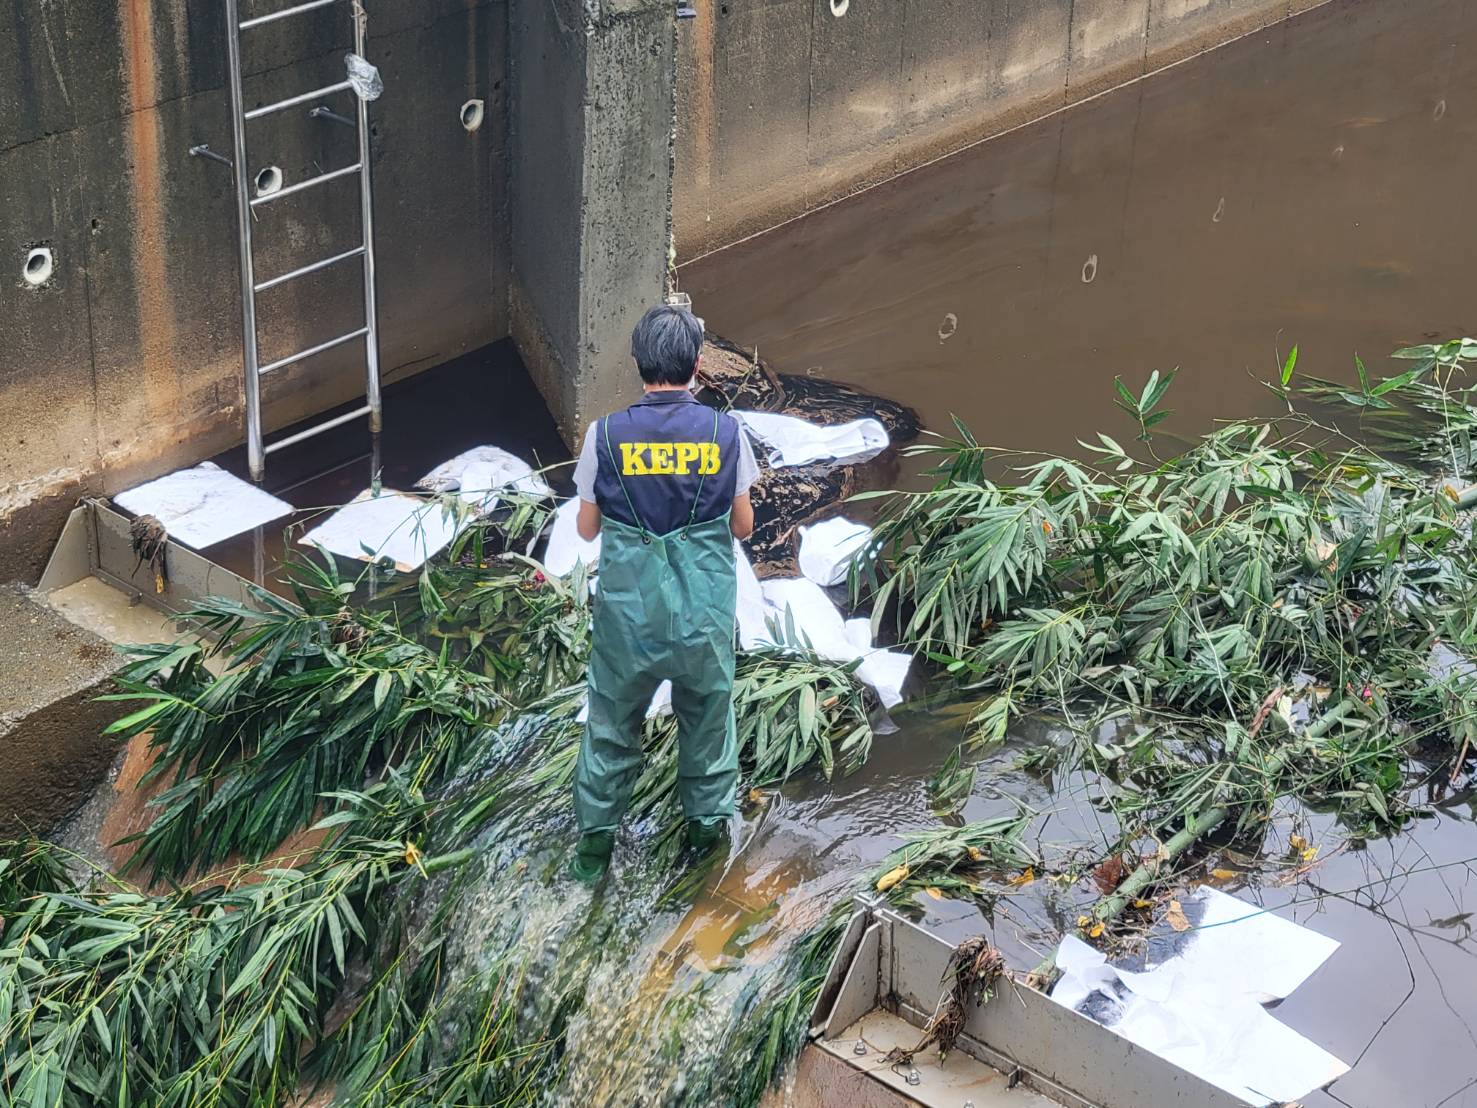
(592, 857)
(706, 837)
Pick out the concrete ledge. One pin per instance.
(52, 750)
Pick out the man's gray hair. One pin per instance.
(666, 344)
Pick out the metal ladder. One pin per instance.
(246, 205)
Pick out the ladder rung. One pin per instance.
(314, 268)
(257, 21)
(318, 430)
(293, 101)
(310, 351)
(311, 182)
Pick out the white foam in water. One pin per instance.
(394, 525)
(203, 505)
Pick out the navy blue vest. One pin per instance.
(671, 455)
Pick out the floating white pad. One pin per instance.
(826, 549)
(661, 704)
(566, 549)
(479, 474)
(817, 620)
(394, 525)
(753, 612)
(1201, 1006)
(795, 442)
(819, 624)
(203, 505)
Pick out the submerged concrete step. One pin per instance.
(951, 1082)
(52, 749)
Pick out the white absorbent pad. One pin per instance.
(661, 704)
(395, 525)
(1199, 1004)
(479, 474)
(203, 505)
(565, 548)
(818, 625)
(796, 442)
(827, 549)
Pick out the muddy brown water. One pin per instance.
(1308, 184)
(483, 397)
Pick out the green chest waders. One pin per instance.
(664, 610)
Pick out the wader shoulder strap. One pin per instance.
(605, 425)
(701, 477)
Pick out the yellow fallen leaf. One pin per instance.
(1024, 879)
(1223, 874)
(1310, 853)
(935, 893)
(1142, 903)
(1097, 930)
(1176, 918)
(891, 878)
(412, 854)
(976, 854)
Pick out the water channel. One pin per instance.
(1305, 185)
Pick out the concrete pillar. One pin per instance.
(591, 131)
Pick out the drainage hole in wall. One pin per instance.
(268, 180)
(39, 265)
(472, 112)
(838, 7)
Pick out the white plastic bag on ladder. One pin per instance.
(364, 77)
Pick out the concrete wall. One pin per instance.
(786, 105)
(127, 363)
(590, 194)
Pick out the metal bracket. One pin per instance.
(321, 112)
(204, 151)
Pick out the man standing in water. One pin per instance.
(666, 483)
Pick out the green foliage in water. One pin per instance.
(203, 996)
(432, 733)
(249, 984)
(1188, 613)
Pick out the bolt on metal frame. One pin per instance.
(256, 449)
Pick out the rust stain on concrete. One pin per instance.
(702, 122)
(158, 413)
